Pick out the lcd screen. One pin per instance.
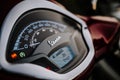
(62, 56)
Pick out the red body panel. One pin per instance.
(103, 34)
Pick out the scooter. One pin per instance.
(42, 40)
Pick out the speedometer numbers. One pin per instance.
(32, 36)
(42, 34)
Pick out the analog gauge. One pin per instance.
(42, 34)
(32, 36)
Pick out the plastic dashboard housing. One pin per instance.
(31, 69)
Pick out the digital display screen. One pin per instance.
(62, 56)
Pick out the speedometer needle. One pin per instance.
(34, 44)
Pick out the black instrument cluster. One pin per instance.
(46, 38)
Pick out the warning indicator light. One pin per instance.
(13, 55)
(22, 54)
(48, 68)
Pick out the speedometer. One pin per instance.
(41, 39)
(32, 36)
(48, 39)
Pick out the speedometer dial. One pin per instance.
(41, 34)
(32, 36)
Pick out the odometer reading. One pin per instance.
(62, 56)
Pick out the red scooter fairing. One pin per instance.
(104, 34)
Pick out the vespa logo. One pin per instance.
(52, 43)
